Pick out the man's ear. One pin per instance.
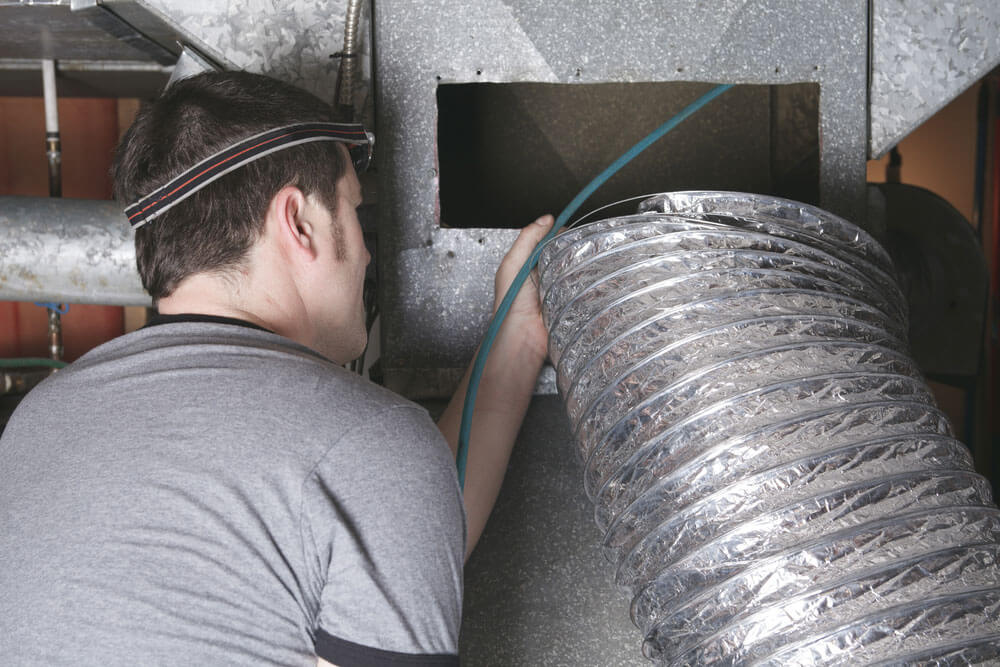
(287, 220)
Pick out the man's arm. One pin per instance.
(505, 389)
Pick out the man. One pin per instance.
(215, 488)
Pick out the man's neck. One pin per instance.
(217, 296)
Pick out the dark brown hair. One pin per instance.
(213, 229)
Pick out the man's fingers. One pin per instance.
(541, 226)
(530, 237)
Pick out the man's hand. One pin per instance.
(525, 315)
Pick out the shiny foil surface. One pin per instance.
(773, 478)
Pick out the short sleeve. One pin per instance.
(386, 520)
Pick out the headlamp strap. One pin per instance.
(245, 151)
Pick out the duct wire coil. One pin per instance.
(775, 483)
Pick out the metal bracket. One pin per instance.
(190, 63)
(107, 20)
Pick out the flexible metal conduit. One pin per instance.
(775, 483)
(349, 55)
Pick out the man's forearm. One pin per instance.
(505, 388)
(505, 391)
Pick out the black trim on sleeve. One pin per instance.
(348, 654)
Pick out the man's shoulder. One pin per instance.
(262, 368)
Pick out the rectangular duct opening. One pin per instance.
(508, 152)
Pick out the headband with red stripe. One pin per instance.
(247, 150)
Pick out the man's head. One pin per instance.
(213, 229)
(276, 240)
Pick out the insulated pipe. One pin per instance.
(53, 149)
(54, 153)
(775, 483)
(67, 251)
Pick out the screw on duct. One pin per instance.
(775, 483)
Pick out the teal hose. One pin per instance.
(31, 362)
(522, 275)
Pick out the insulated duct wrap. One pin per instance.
(775, 483)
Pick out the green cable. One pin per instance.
(31, 362)
(522, 275)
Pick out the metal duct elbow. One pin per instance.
(775, 483)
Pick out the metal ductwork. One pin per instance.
(67, 251)
(820, 87)
(770, 47)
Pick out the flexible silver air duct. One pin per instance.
(775, 483)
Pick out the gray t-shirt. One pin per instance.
(205, 494)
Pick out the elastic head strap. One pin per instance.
(247, 150)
